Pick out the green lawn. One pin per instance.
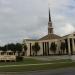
(55, 64)
(33, 61)
(36, 67)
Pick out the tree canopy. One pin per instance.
(62, 47)
(36, 47)
(12, 47)
(53, 47)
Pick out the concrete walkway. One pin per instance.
(50, 58)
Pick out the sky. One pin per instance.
(22, 19)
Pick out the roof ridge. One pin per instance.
(50, 36)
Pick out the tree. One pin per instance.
(62, 47)
(18, 47)
(11, 47)
(53, 47)
(0, 48)
(36, 47)
(25, 49)
(4, 48)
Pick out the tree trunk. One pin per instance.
(36, 53)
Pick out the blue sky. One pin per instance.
(20, 19)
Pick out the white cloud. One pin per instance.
(5, 2)
(29, 18)
(68, 28)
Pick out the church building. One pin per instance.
(62, 45)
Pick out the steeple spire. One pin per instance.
(49, 16)
(50, 27)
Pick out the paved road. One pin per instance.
(66, 71)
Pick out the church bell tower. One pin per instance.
(50, 27)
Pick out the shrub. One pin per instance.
(18, 58)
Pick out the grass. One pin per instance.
(33, 61)
(56, 64)
(36, 67)
(25, 61)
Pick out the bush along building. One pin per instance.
(51, 44)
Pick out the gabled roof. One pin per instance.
(31, 39)
(50, 36)
(68, 34)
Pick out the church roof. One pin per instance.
(31, 39)
(50, 36)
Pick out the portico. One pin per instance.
(70, 43)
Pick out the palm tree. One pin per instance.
(36, 48)
(62, 47)
(53, 47)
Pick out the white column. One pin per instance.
(73, 44)
(69, 46)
